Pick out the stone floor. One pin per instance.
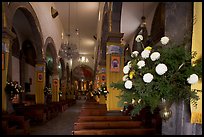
(62, 124)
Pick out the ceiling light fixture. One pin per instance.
(68, 50)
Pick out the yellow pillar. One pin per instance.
(196, 112)
(7, 37)
(114, 68)
(102, 99)
(63, 88)
(40, 83)
(55, 88)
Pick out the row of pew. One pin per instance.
(94, 119)
(19, 122)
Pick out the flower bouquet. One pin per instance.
(159, 75)
(12, 88)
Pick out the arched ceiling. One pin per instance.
(85, 17)
(131, 17)
(83, 73)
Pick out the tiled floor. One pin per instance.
(62, 124)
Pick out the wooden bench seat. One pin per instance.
(93, 112)
(7, 129)
(94, 106)
(103, 118)
(143, 131)
(107, 125)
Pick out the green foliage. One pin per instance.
(172, 85)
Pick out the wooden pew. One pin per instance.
(93, 112)
(94, 106)
(7, 129)
(138, 131)
(107, 125)
(103, 118)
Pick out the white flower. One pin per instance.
(145, 54)
(125, 77)
(129, 64)
(161, 69)
(128, 84)
(164, 40)
(139, 101)
(148, 77)
(133, 101)
(139, 38)
(141, 64)
(105, 91)
(192, 79)
(126, 69)
(134, 54)
(155, 56)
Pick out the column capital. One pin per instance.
(7, 33)
(40, 61)
(114, 37)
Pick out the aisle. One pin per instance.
(62, 124)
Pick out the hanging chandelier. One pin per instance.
(68, 50)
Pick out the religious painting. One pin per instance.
(40, 76)
(55, 82)
(115, 63)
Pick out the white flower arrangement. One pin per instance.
(156, 75)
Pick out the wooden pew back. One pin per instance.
(103, 118)
(107, 125)
(148, 131)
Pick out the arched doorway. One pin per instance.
(51, 66)
(83, 79)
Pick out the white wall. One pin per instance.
(15, 69)
(30, 73)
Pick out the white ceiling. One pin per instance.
(83, 16)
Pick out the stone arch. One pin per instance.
(61, 60)
(50, 43)
(30, 14)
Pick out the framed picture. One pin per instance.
(40, 76)
(115, 63)
(55, 82)
(3, 61)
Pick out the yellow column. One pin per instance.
(55, 88)
(114, 68)
(7, 37)
(40, 83)
(63, 89)
(196, 112)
